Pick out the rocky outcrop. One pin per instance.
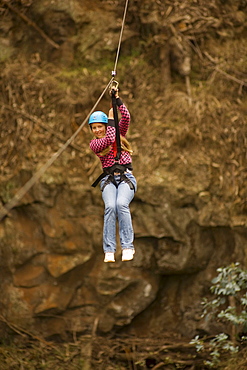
(54, 277)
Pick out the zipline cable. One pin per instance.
(22, 191)
(113, 93)
(4, 210)
(120, 39)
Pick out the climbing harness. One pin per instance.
(4, 210)
(117, 169)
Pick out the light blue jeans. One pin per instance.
(117, 200)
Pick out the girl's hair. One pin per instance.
(125, 145)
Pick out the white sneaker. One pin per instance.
(128, 254)
(109, 257)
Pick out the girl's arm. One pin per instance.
(125, 118)
(125, 115)
(97, 145)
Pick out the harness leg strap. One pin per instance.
(112, 180)
(124, 178)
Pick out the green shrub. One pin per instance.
(229, 306)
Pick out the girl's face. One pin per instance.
(98, 129)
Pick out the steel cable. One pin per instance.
(22, 191)
(120, 38)
(4, 210)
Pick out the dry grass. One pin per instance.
(123, 353)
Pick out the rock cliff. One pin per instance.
(182, 74)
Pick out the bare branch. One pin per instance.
(34, 25)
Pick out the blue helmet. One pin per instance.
(98, 117)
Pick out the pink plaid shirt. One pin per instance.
(97, 145)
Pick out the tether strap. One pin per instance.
(115, 115)
(98, 179)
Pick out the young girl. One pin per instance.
(118, 184)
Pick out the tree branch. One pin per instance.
(47, 128)
(219, 70)
(23, 332)
(34, 25)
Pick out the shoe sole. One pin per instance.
(109, 261)
(127, 260)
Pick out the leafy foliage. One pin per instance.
(230, 288)
(217, 346)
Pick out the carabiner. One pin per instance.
(116, 84)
